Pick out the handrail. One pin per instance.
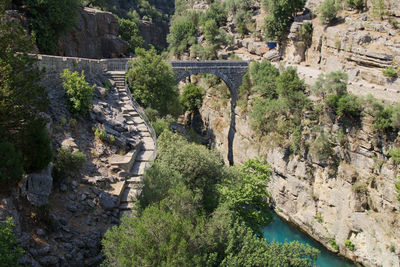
(146, 120)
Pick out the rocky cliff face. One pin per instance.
(94, 36)
(357, 202)
(154, 33)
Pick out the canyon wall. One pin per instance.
(356, 202)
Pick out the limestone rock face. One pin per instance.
(37, 186)
(94, 36)
(154, 33)
(357, 202)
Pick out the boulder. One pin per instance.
(37, 186)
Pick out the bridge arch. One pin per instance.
(231, 72)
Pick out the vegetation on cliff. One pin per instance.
(193, 211)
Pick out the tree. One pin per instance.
(263, 76)
(10, 253)
(21, 98)
(49, 19)
(246, 193)
(331, 83)
(210, 30)
(11, 163)
(328, 11)
(128, 30)
(78, 92)
(191, 97)
(151, 81)
(182, 35)
(280, 16)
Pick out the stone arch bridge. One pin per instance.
(231, 72)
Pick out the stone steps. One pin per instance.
(133, 178)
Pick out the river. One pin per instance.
(279, 230)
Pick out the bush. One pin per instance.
(35, 146)
(162, 124)
(328, 11)
(394, 153)
(332, 241)
(349, 105)
(356, 4)
(383, 119)
(10, 253)
(78, 92)
(100, 132)
(192, 97)
(182, 35)
(390, 73)
(152, 114)
(128, 30)
(152, 82)
(49, 19)
(305, 34)
(332, 83)
(349, 244)
(321, 148)
(395, 118)
(67, 163)
(397, 185)
(263, 77)
(394, 23)
(11, 163)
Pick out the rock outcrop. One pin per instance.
(356, 202)
(37, 186)
(94, 36)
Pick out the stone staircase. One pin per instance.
(135, 164)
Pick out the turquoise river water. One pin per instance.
(280, 231)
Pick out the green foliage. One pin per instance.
(394, 23)
(152, 114)
(151, 81)
(162, 124)
(35, 146)
(390, 72)
(182, 35)
(191, 97)
(345, 105)
(243, 21)
(321, 148)
(216, 12)
(245, 193)
(175, 226)
(210, 30)
(67, 163)
(78, 92)
(332, 241)
(319, 218)
(305, 33)
(349, 244)
(394, 153)
(128, 30)
(356, 4)
(100, 132)
(10, 253)
(49, 19)
(332, 83)
(360, 188)
(280, 15)
(378, 8)
(11, 163)
(382, 115)
(395, 118)
(263, 77)
(328, 11)
(397, 185)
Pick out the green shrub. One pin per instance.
(10, 253)
(397, 185)
(349, 105)
(191, 97)
(360, 188)
(78, 92)
(383, 119)
(321, 148)
(128, 30)
(162, 124)
(182, 35)
(328, 11)
(349, 244)
(67, 163)
(319, 218)
(332, 83)
(243, 21)
(11, 163)
(152, 114)
(332, 241)
(152, 82)
(35, 146)
(100, 132)
(394, 23)
(356, 4)
(390, 72)
(305, 33)
(49, 19)
(263, 78)
(394, 153)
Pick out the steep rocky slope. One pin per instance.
(357, 202)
